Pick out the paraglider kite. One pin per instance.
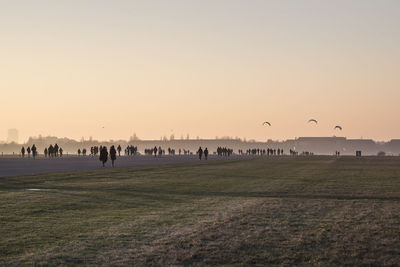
(312, 120)
(266, 123)
(338, 127)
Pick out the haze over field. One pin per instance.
(208, 68)
(199, 132)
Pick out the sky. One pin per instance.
(208, 68)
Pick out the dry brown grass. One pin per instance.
(275, 231)
(283, 211)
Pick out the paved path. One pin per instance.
(13, 166)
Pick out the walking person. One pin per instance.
(50, 151)
(113, 155)
(56, 150)
(34, 151)
(200, 152)
(103, 155)
(206, 153)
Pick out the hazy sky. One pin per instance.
(207, 67)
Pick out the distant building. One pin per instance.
(12, 136)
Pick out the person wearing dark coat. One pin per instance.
(50, 151)
(113, 155)
(200, 152)
(34, 151)
(205, 153)
(103, 155)
(23, 151)
(56, 150)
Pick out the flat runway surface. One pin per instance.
(13, 166)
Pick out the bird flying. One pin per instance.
(312, 120)
(338, 127)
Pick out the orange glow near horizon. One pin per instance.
(203, 68)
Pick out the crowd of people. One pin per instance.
(262, 152)
(130, 150)
(29, 150)
(159, 151)
(156, 151)
(223, 151)
(306, 153)
(51, 151)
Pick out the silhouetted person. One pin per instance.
(50, 151)
(23, 151)
(205, 153)
(119, 150)
(155, 151)
(79, 152)
(103, 155)
(56, 150)
(34, 151)
(200, 152)
(45, 152)
(61, 151)
(29, 151)
(113, 155)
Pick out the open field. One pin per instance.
(281, 210)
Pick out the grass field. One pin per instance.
(302, 211)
